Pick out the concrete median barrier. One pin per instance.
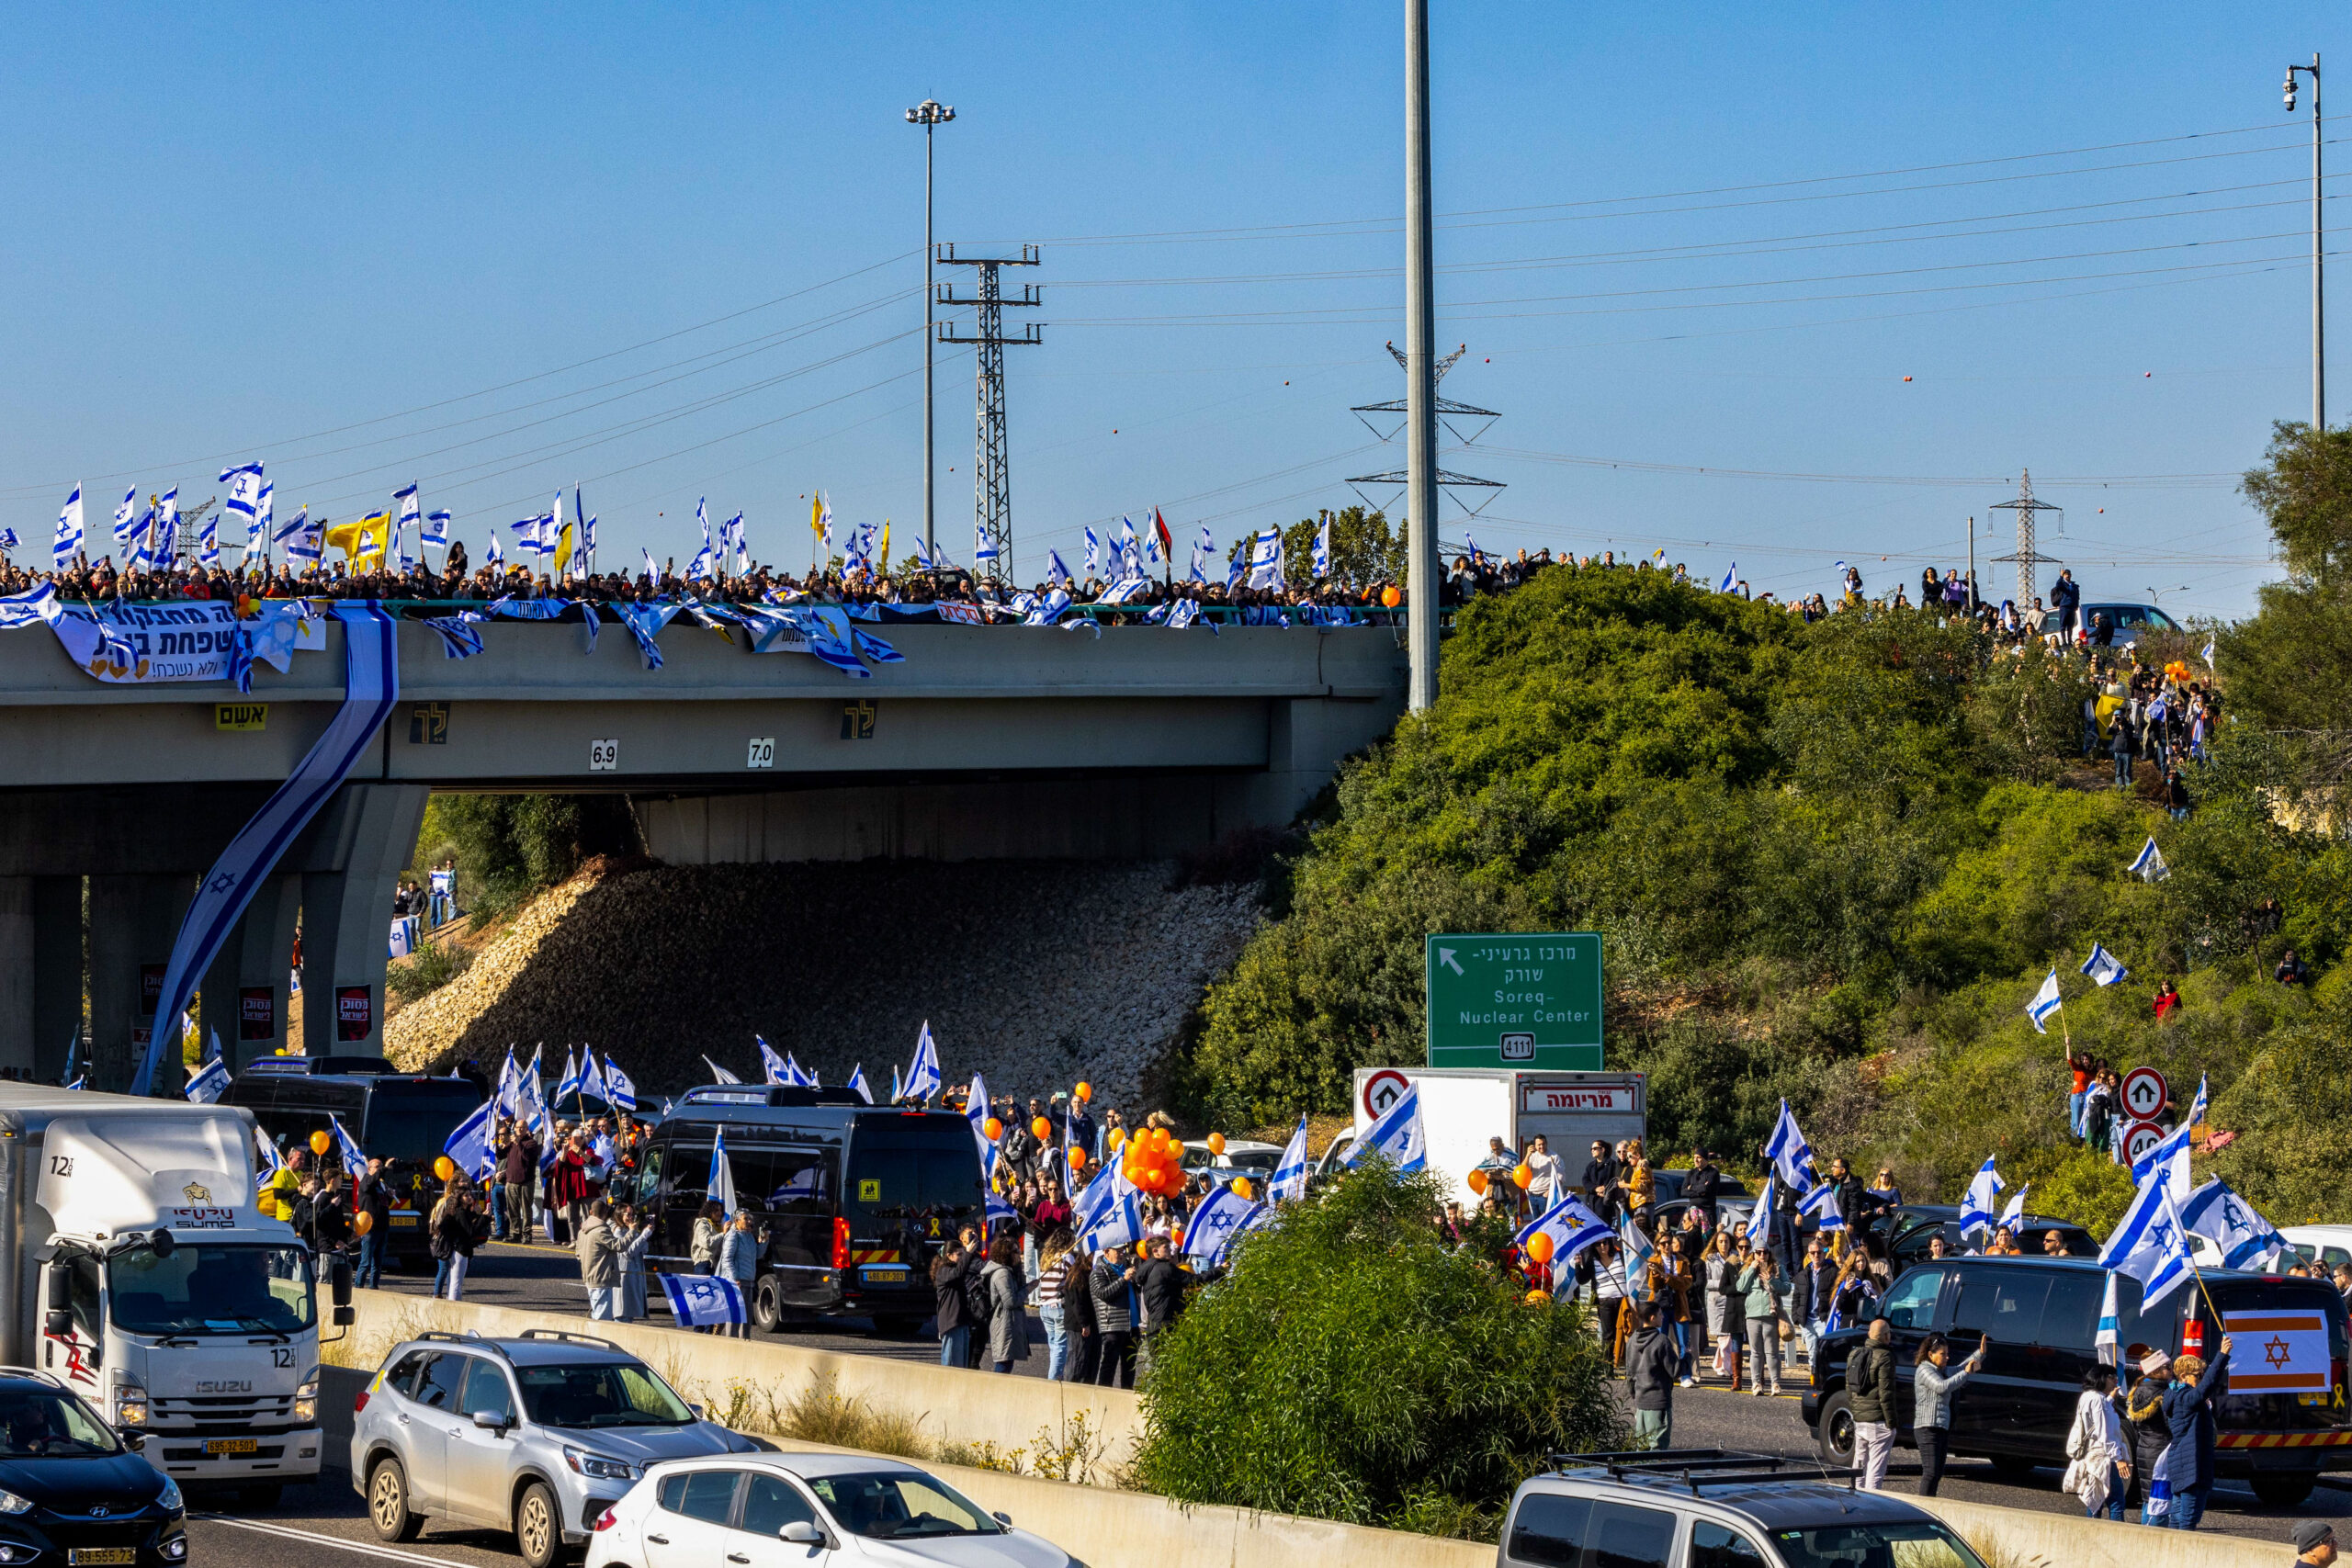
(2024, 1537)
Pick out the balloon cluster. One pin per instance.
(2177, 671)
(1153, 1160)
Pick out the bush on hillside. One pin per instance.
(509, 847)
(1353, 1366)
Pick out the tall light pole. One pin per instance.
(1420, 381)
(927, 114)
(2319, 317)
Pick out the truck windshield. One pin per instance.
(211, 1288)
(410, 1120)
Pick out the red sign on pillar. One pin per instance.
(257, 1012)
(355, 1012)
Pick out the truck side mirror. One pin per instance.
(61, 1289)
(339, 1282)
(346, 1317)
(57, 1324)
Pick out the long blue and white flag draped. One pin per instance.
(371, 689)
(458, 637)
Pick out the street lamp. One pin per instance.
(927, 114)
(2319, 336)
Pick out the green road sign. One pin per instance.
(1514, 999)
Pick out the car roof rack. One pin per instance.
(566, 1336)
(470, 1337)
(33, 1372)
(1704, 1467)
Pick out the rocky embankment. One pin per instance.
(1038, 973)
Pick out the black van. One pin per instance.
(404, 1118)
(2042, 1315)
(857, 1199)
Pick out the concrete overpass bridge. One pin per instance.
(986, 742)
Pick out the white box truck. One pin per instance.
(1463, 1107)
(149, 1281)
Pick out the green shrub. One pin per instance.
(1354, 1367)
(428, 969)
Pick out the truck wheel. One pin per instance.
(539, 1526)
(2283, 1489)
(1836, 1431)
(767, 1304)
(388, 1508)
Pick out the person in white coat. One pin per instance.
(2099, 1460)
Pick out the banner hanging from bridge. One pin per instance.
(137, 645)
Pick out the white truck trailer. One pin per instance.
(1463, 1107)
(149, 1281)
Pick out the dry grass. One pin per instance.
(820, 1413)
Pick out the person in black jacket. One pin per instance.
(1159, 1289)
(1870, 1381)
(1601, 1174)
(951, 1271)
(1815, 1283)
(1112, 1287)
(375, 1196)
(1702, 1186)
(1651, 1360)
(1078, 1320)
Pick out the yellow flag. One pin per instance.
(364, 540)
(886, 545)
(817, 513)
(563, 550)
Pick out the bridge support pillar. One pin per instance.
(255, 957)
(134, 919)
(20, 964)
(57, 973)
(365, 838)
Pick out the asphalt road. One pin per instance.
(325, 1525)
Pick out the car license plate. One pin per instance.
(82, 1554)
(404, 1221)
(885, 1276)
(215, 1448)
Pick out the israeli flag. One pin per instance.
(264, 516)
(1731, 579)
(720, 1184)
(976, 1111)
(1266, 559)
(509, 1095)
(2171, 1154)
(1323, 548)
(1571, 1226)
(2150, 865)
(210, 1082)
(1215, 1224)
(1395, 1137)
(2159, 1501)
(857, 1084)
(530, 1093)
(2103, 968)
(67, 541)
(126, 518)
(468, 1146)
(923, 1073)
(1204, 550)
(591, 1076)
(2045, 1002)
(2209, 653)
(1976, 1206)
(1116, 1221)
(1820, 1205)
(1636, 1251)
(719, 1074)
(2151, 1245)
(1789, 1154)
(1759, 1229)
(2013, 1216)
(1129, 554)
(245, 489)
(2246, 1240)
(568, 1087)
(355, 1159)
(1289, 1181)
(798, 1076)
(702, 1300)
(404, 938)
(620, 1090)
(1055, 571)
(458, 637)
(409, 515)
(733, 536)
(436, 529)
(2107, 1343)
(272, 1162)
(983, 547)
(773, 1064)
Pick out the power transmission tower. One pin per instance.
(992, 478)
(1447, 413)
(2027, 558)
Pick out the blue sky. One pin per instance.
(670, 252)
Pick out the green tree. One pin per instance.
(1356, 1366)
(2288, 666)
(509, 847)
(1364, 550)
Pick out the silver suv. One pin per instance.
(1709, 1509)
(538, 1434)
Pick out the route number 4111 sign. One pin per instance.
(1514, 999)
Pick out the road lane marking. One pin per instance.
(366, 1548)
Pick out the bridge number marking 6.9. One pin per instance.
(762, 754)
(604, 756)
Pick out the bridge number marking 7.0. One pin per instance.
(604, 756)
(762, 754)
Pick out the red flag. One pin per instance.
(1167, 543)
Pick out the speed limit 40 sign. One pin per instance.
(2144, 1092)
(2139, 1137)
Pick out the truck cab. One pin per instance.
(151, 1285)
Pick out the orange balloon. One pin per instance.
(992, 1129)
(1242, 1189)
(1390, 597)
(362, 1223)
(1523, 1175)
(1537, 1298)
(1118, 1137)
(1176, 1235)
(1041, 1128)
(1217, 1142)
(320, 1142)
(1078, 1159)
(1539, 1247)
(1085, 1092)
(444, 1167)
(1478, 1182)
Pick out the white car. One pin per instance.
(2322, 1246)
(807, 1510)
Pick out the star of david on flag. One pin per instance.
(702, 1300)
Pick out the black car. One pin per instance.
(1902, 1235)
(72, 1490)
(2042, 1316)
